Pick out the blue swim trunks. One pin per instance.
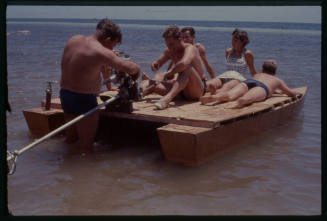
(251, 83)
(77, 103)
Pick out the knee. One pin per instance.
(225, 96)
(243, 101)
(183, 76)
(211, 86)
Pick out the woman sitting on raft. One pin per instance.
(239, 61)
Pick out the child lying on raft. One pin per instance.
(259, 88)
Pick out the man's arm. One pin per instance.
(157, 64)
(184, 62)
(120, 64)
(205, 60)
(249, 57)
(286, 90)
(106, 74)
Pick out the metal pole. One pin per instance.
(68, 124)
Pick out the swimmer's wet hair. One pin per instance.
(242, 35)
(269, 67)
(108, 28)
(172, 32)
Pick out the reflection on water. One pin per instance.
(120, 178)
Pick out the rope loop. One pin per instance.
(12, 162)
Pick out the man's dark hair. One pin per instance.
(269, 67)
(108, 28)
(190, 29)
(172, 32)
(242, 35)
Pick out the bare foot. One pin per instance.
(160, 105)
(212, 89)
(233, 105)
(206, 99)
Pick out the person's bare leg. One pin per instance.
(146, 85)
(155, 85)
(253, 95)
(238, 90)
(207, 99)
(213, 85)
(188, 81)
(177, 87)
(71, 132)
(87, 129)
(220, 97)
(228, 86)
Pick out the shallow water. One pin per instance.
(278, 173)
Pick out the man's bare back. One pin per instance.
(81, 65)
(273, 83)
(83, 59)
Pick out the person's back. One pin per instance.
(270, 81)
(81, 66)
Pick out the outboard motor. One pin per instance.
(128, 90)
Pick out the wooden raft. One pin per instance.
(196, 133)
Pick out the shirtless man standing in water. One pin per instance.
(83, 59)
(186, 63)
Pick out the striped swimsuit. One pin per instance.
(235, 69)
(237, 64)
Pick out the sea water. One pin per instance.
(278, 173)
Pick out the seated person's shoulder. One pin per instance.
(200, 47)
(190, 46)
(248, 52)
(77, 38)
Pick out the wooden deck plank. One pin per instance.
(192, 113)
(195, 114)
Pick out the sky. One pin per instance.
(299, 14)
